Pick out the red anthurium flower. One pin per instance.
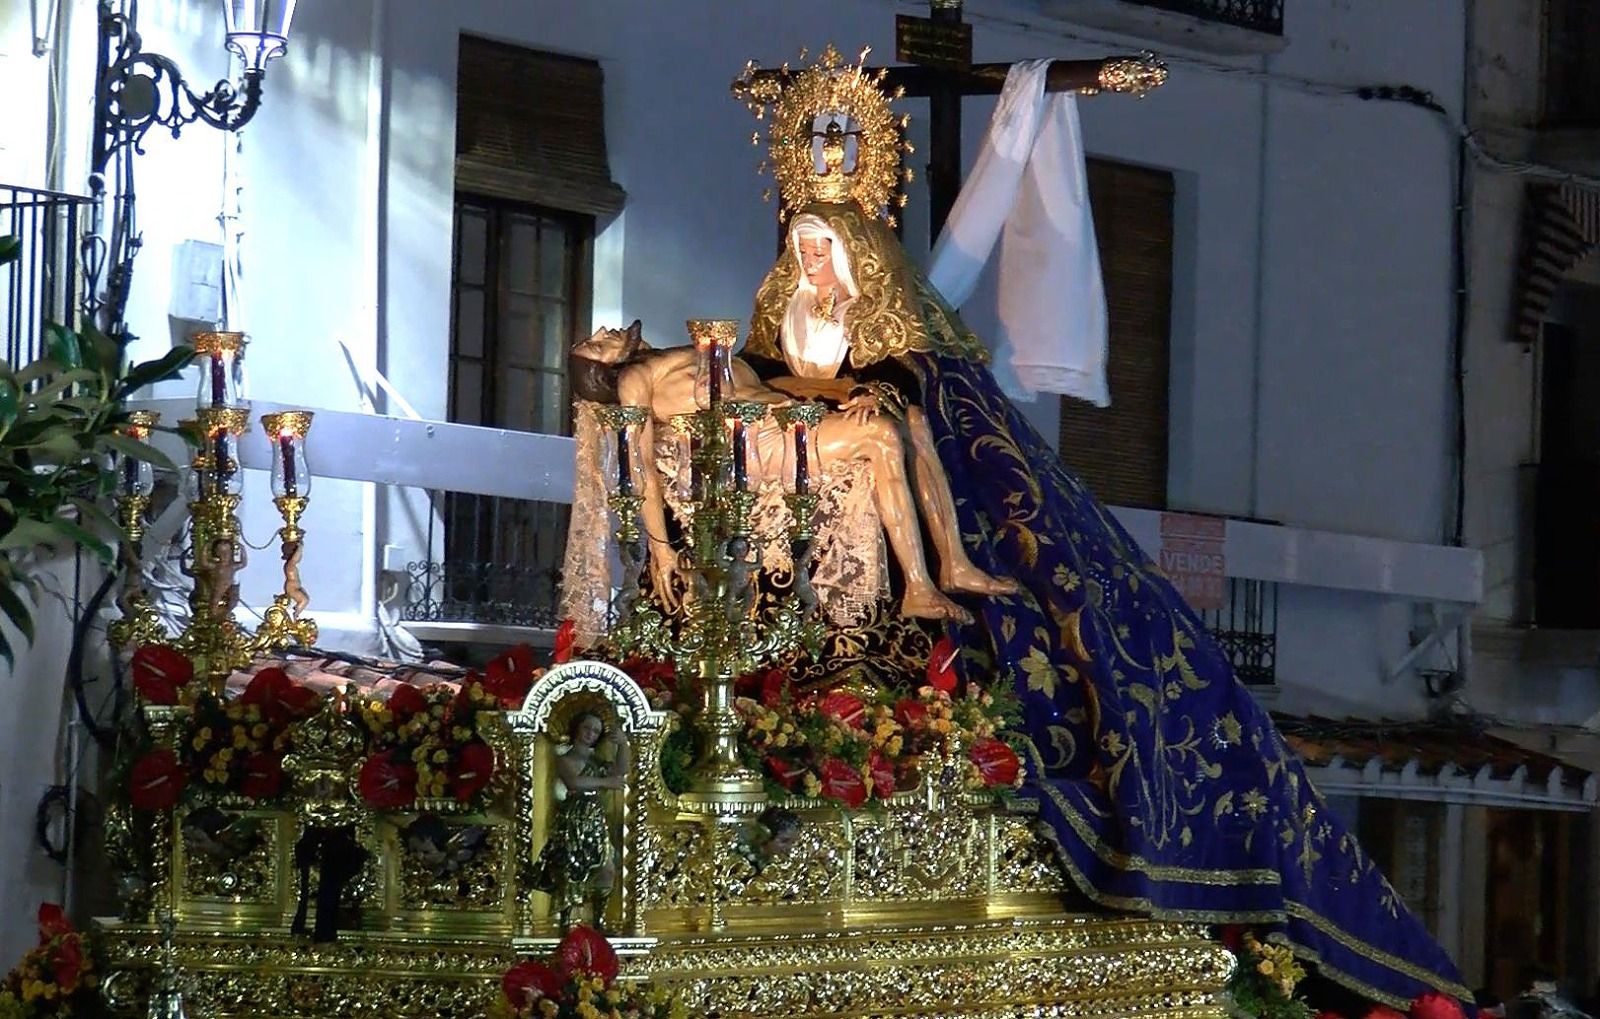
(53, 922)
(66, 963)
(156, 781)
(650, 673)
(786, 773)
(159, 673)
(1433, 1005)
(406, 700)
(566, 636)
(280, 698)
(1231, 935)
(842, 782)
(882, 771)
(263, 776)
(528, 981)
(586, 950)
(385, 784)
(844, 707)
(510, 675)
(774, 687)
(471, 770)
(910, 712)
(997, 763)
(942, 665)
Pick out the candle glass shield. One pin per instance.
(621, 459)
(714, 339)
(800, 464)
(221, 427)
(135, 476)
(220, 356)
(286, 431)
(686, 439)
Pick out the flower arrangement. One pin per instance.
(55, 979)
(868, 742)
(231, 746)
(422, 742)
(578, 982)
(1264, 982)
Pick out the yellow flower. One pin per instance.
(440, 757)
(259, 730)
(548, 1006)
(1264, 967)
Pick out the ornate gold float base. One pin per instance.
(1054, 966)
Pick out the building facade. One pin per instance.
(1281, 240)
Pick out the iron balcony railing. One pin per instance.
(501, 563)
(45, 283)
(1246, 627)
(1256, 15)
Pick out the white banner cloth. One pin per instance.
(1030, 189)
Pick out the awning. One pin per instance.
(1562, 225)
(1445, 762)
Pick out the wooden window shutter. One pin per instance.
(530, 127)
(1120, 451)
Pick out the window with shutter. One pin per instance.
(1120, 451)
(530, 127)
(531, 177)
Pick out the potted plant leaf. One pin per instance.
(61, 419)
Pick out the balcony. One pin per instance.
(1255, 15)
(45, 283)
(1221, 27)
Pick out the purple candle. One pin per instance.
(715, 384)
(694, 468)
(740, 475)
(624, 465)
(802, 468)
(219, 380)
(291, 484)
(224, 462)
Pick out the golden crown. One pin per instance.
(815, 115)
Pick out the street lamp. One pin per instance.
(137, 90)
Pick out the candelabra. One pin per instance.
(213, 639)
(140, 624)
(724, 630)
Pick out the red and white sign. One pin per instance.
(1193, 559)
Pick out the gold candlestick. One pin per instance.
(282, 624)
(140, 624)
(214, 641)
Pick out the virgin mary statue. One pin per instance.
(1165, 787)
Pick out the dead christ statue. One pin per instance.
(617, 366)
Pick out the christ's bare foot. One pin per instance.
(930, 603)
(967, 578)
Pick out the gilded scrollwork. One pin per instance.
(230, 857)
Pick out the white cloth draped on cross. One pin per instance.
(1029, 189)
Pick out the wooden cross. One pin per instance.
(939, 52)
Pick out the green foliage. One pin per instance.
(61, 418)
